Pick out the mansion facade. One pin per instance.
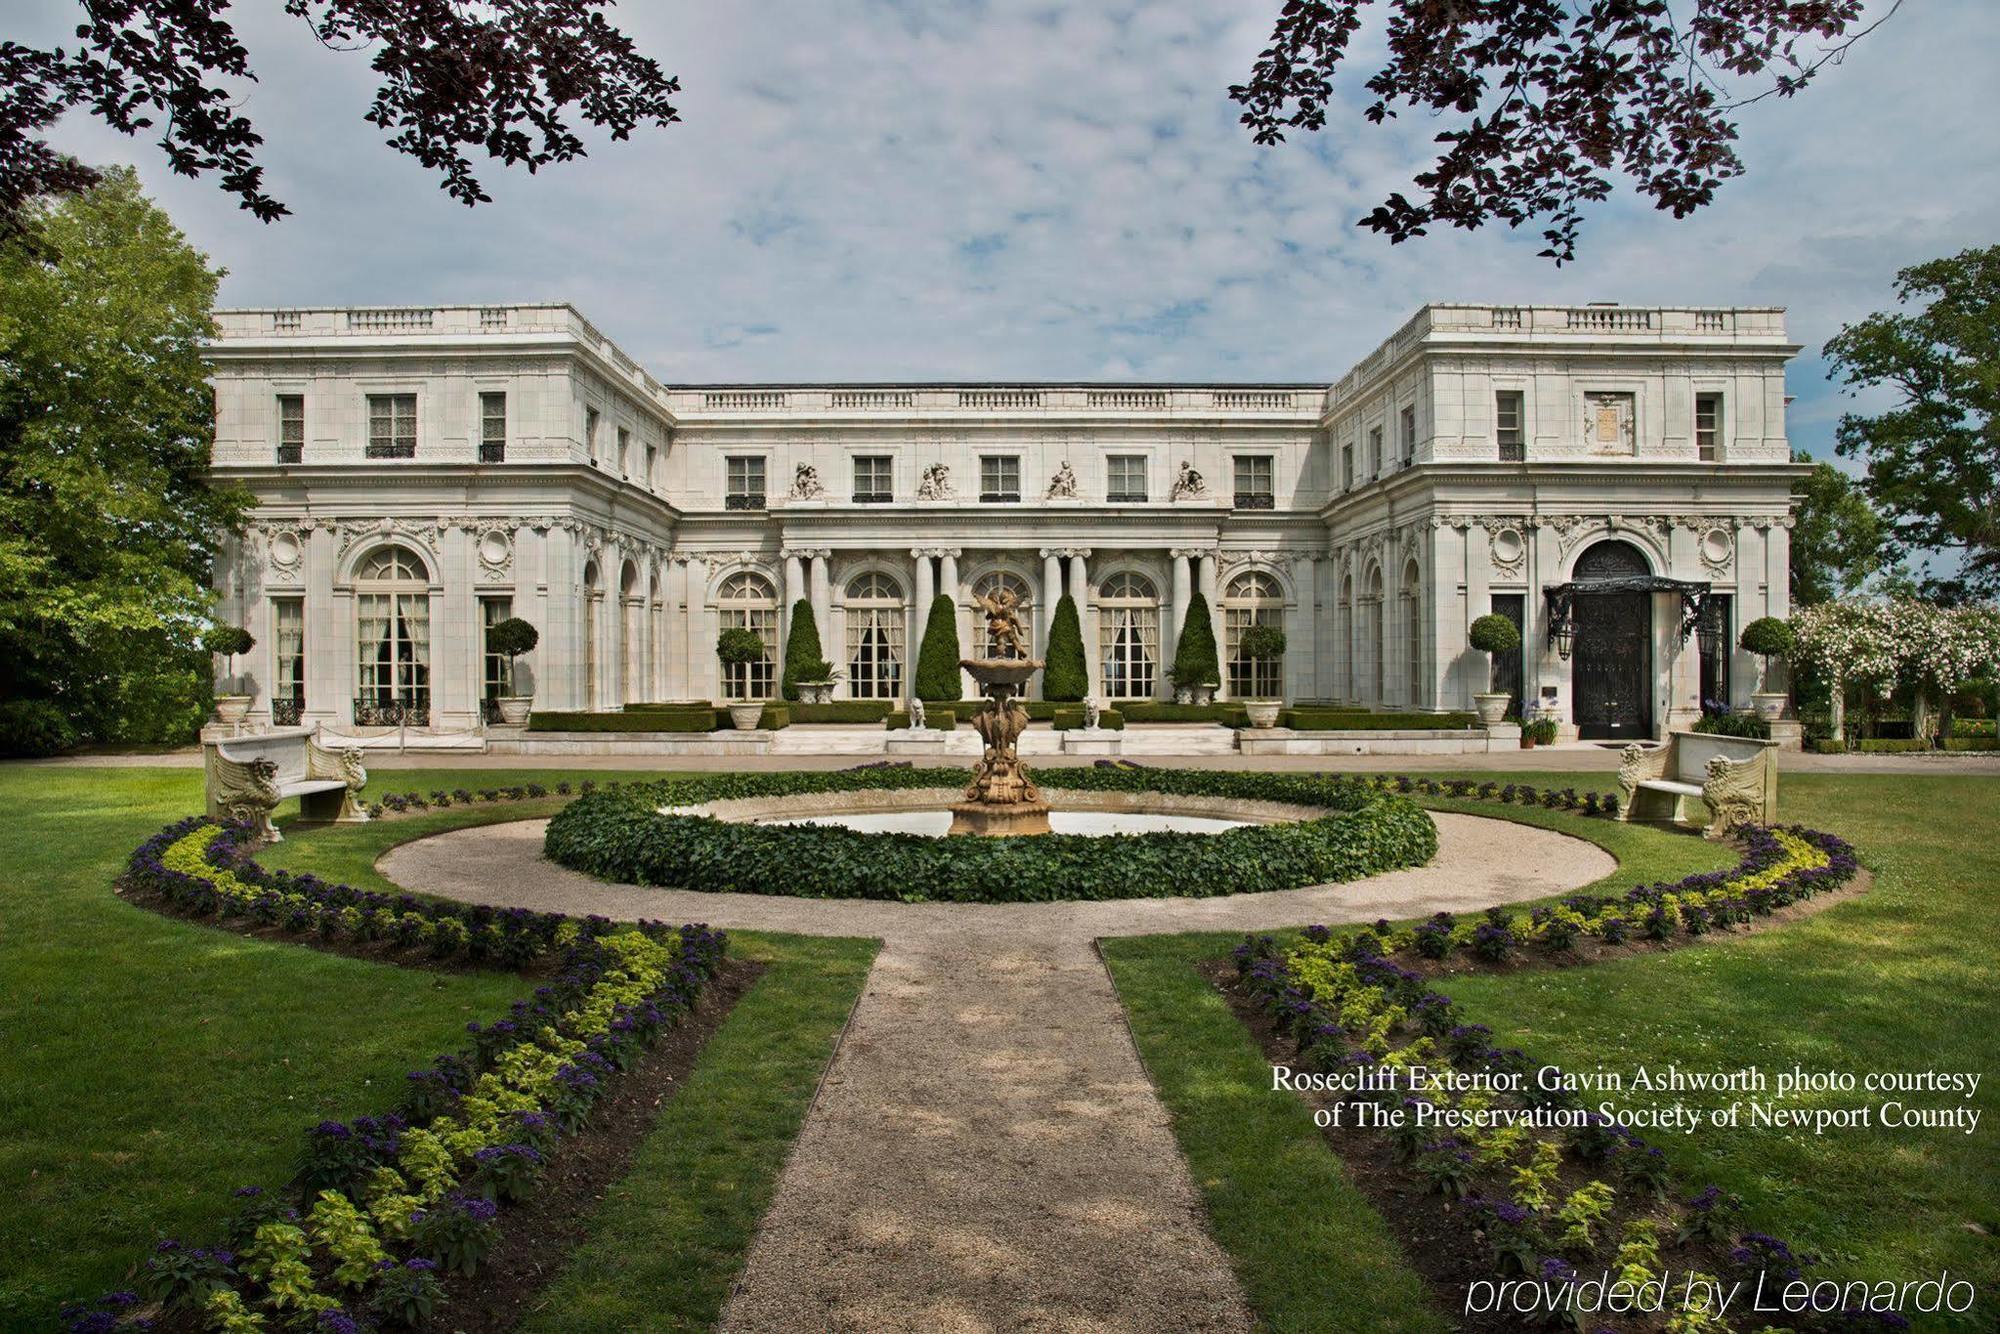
(1615, 479)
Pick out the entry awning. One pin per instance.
(1561, 600)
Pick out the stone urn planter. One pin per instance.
(231, 710)
(1770, 704)
(745, 714)
(1201, 694)
(815, 692)
(1263, 712)
(1492, 706)
(514, 709)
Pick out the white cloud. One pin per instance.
(906, 191)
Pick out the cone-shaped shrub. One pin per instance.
(1195, 662)
(803, 661)
(1066, 675)
(937, 660)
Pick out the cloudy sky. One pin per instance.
(920, 189)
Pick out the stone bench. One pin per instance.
(1735, 777)
(248, 776)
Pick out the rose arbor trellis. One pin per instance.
(1881, 643)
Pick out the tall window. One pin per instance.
(291, 428)
(1254, 482)
(1374, 451)
(392, 608)
(590, 432)
(499, 674)
(1408, 443)
(873, 479)
(748, 602)
(1128, 635)
(743, 478)
(999, 477)
(1252, 599)
(1125, 479)
(492, 428)
(652, 464)
(1507, 666)
(875, 629)
(288, 693)
(392, 426)
(1708, 427)
(624, 452)
(1413, 636)
(1347, 466)
(1717, 636)
(989, 585)
(1508, 429)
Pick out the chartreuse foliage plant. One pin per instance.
(622, 835)
(937, 657)
(376, 1197)
(1065, 671)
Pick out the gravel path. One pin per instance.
(986, 1152)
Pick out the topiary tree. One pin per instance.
(227, 641)
(1494, 634)
(1066, 675)
(511, 638)
(738, 647)
(937, 659)
(1768, 637)
(1261, 643)
(1195, 661)
(803, 658)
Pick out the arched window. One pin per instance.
(1413, 635)
(747, 601)
(875, 629)
(1128, 635)
(987, 586)
(1373, 642)
(1612, 560)
(392, 611)
(593, 604)
(631, 668)
(1252, 599)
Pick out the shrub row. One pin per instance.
(1068, 719)
(1550, 1185)
(937, 717)
(1150, 711)
(1507, 794)
(622, 836)
(842, 711)
(381, 1203)
(628, 720)
(1360, 720)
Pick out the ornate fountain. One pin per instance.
(1002, 798)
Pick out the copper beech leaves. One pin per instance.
(1546, 100)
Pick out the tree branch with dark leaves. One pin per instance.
(512, 78)
(1556, 97)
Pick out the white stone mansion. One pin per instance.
(1615, 478)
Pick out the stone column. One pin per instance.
(457, 636)
(822, 601)
(1051, 591)
(559, 680)
(795, 588)
(1208, 572)
(948, 585)
(1079, 591)
(1183, 594)
(921, 609)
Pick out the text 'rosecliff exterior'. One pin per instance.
(1614, 478)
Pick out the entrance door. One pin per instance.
(1507, 666)
(1613, 665)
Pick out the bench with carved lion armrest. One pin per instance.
(248, 776)
(1735, 776)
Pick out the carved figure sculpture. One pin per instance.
(1000, 779)
(935, 484)
(806, 484)
(1062, 486)
(1187, 482)
(916, 715)
(1091, 712)
(1003, 623)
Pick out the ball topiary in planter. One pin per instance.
(227, 642)
(1196, 668)
(1768, 637)
(1493, 634)
(937, 659)
(511, 638)
(1262, 643)
(1066, 677)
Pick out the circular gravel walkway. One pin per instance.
(986, 1152)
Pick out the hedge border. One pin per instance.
(621, 835)
(1358, 720)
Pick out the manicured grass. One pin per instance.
(152, 1065)
(671, 1238)
(1903, 978)
(1308, 1248)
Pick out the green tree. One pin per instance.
(1066, 675)
(937, 660)
(1934, 458)
(1837, 537)
(1195, 661)
(803, 659)
(108, 523)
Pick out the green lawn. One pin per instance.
(1904, 977)
(152, 1065)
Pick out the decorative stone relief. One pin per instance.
(1508, 550)
(286, 550)
(496, 552)
(1187, 483)
(1716, 550)
(1062, 486)
(806, 484)
(935, 483)
(355, 531)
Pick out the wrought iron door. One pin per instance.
(1613, 665)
